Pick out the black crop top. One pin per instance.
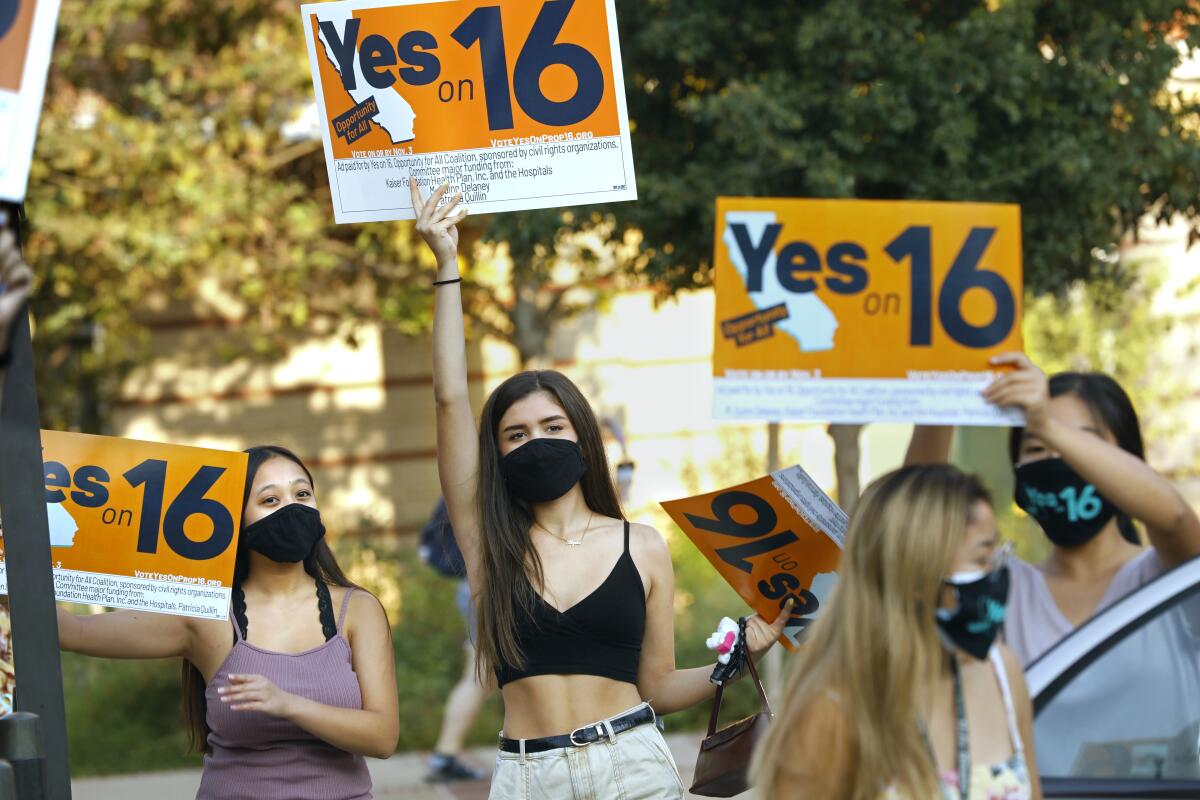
(600, 635)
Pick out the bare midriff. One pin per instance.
(550, 705)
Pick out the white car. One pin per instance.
(1117, 703)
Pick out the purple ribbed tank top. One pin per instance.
(259, 757)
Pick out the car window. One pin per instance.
(1134, 710)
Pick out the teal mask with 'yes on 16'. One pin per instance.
(1068, 508)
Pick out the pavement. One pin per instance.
(400, 777)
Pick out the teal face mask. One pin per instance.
(974, 624)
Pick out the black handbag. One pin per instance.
(722, 768)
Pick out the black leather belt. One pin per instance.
(588, 734)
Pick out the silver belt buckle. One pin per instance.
(572, 738)
(600, 734)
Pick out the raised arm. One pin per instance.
(659, 682)
(1127, 481)
(930, 444)
(16, 279)
(457, 437)
(126, 634)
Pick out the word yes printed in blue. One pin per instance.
(416, 62)
(846, 270)
(89, 484)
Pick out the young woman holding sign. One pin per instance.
(288, 706)
(575, 603)
(1081, 474)
(900, 692)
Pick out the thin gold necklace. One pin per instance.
(564, 539)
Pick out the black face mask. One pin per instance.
(973, 626)
(543, 469)
(288, 535)
(1069, 509)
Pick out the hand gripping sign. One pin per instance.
(863, 311)
(144, 526)
(26, 39)
(515, 103)
(774, 539)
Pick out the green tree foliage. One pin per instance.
(1111, 324)
(1057, 106)
(162, 168)
(161, 171)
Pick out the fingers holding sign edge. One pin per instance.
(1015, 359)
(420, 204)
(443, 214)
(415, 193)
(446, 213)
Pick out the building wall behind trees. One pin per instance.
(361, 413)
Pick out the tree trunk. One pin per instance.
(847, 456)
(528, 329)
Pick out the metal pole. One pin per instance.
(27, 553)
(21, 748)
(8, 782)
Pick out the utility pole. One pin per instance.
(27, 559)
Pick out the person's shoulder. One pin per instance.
(825, 709)
(1022, 575)
(820, 749)
(1019, 566)
(649, 551)
(648, 540)
(1144, 566)
(362, 608)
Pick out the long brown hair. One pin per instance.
(321, 564)
(875, 647)
(511, 567)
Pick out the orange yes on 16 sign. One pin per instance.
(773, 539)
(863, 310)
(141, 525)
(517, 104)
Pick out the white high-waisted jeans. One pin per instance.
(633, 765)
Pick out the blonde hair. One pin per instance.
(874, 650)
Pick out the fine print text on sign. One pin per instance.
(26, 39)
(863, 311)
(773, 539)
(144, 526)
(517, 104)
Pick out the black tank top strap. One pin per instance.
(325, 609)
(626, 536)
